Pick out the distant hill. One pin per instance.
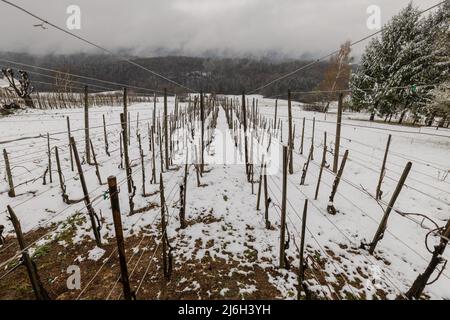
(220, 75)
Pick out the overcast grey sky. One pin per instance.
(195, 27)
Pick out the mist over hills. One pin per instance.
(211, 74)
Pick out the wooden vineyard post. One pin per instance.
(38, 288)
(121, 151)
(281, 131)
(154, 111)
(86, 127)
(129, 129)
(423, 279)
(383, 224)
(167, 261)
(124, 122)
(186, 173)
(105, 135)
(202, 143)
(149, 135)
(141, 155)
(275, 118)
(283, 210)
(12, 191)
(152, 131)
(49, 151)
(92, 215)
(244, 112)
(197, 165)
(163, 222)
(337, 142)
(260, 183)
(322, 164)
(266, 199)
(70, 146)
(290, 136)
(302, 266)
(61, 179)
(305, 167)
(94, 157)
(161, 157)
(378, 193)
(330, 208)
(115, 207)
(303, 136)
(127, 164)
(184, 192)
(166, 132)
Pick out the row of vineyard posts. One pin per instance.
(240, 117)
(161, 133)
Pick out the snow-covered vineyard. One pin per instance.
(234, 212)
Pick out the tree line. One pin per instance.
(220, 75)
(405, 70)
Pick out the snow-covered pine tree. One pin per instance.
(437, 103)
(399, 70)
(364, 82)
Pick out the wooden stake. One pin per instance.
(166, 131)
(244, 112)
(383, 224)
(105, 137)
(154, 111)
(94, 157)
(49, 151)
(38, 288)
(338, 134)
(152, 130)
(266, 200)
(125, 112)
(128, 170)
(121, 151)
(303, 136)
(11, 192)
(276, 111)
(305, 167)
(115, 207)
(166, 261)
(378, 193)
(86, 127)
(141, 154)
(183, 195)
(161, 157)
(283, 209)
(260, 183)
(202, 144)
(322, 165)
(61, 181)
(129, 129)
(302, 266)
(290, 140)
(92, 215)
(70, 146)
(330, 208)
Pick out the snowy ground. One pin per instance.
(225, 224)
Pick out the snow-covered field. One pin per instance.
(235, 229)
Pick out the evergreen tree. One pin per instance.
(399, 70)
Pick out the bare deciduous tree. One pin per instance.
(21, 87)
(337, 75)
